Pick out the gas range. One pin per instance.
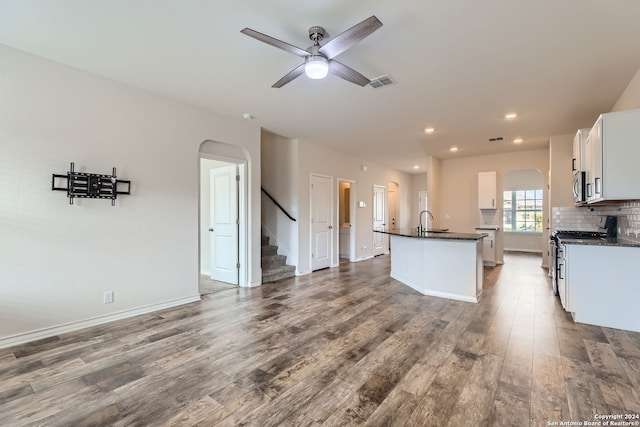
(565, 235)
(577, 234)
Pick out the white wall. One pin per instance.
(56, 260)
(459, 189)
(561, 174)
(433, 188)
(320, 160)
(280, 178)
(417, 183)
(630, 97)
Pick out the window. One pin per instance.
(523, 211)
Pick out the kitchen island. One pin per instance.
(441, 264)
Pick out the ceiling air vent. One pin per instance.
(496, 139)
(381, 81)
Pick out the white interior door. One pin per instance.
(223, 224)
(321, 227)
(379, 217)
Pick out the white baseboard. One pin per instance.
(363, 258)
(94, 321)
(252, 284)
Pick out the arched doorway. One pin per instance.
(523, 216)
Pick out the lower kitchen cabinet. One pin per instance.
(489, 245)
(600, 285)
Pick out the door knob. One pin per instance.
(330, 227)
(211, 229)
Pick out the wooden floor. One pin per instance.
(209, 286)
(344, 346)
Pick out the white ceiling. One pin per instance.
(460, 65)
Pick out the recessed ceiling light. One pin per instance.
(517, 141)
(510, 116)
(429, 130)
(247, 116)
(416, 167)
(453, 149)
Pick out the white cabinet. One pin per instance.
(578, 162)
(489, 245)
(487, 190)
(601, 285)
(612, 153)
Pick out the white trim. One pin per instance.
(385, 237)
(363, 258)
(524, 233)
(529, 251)
(93, 321)
(352, 218)
(254, 284)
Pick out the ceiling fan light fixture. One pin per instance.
(316, 67)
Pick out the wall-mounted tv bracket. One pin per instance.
(90, 185)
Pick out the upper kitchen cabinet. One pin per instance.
(487, 190)
(612, 153)
(579, 142)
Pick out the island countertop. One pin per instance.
(443, 235)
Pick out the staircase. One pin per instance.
(273, 265)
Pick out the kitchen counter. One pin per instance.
(441, 264)
(603, 241)
(434, 234)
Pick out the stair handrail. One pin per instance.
(277, 204)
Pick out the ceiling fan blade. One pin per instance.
(275, 42)
(293, 74)
(345, 40)
(347, 73)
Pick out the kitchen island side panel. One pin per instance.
(442, 268)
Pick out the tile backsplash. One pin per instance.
(491, 217)
(588, 218)
(629, 221)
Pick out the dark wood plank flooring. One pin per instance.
(344, 346)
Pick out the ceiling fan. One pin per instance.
(318, 60)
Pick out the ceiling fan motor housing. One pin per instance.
(316, 34)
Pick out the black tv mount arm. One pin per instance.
(90, 185)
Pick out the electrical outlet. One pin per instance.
(364, 248)
(108, 297)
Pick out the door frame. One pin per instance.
(385, 237)
(243, 215)
(352, 219)
(332, 213)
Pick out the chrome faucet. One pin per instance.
(420, 229)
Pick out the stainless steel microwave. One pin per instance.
(579, 188)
